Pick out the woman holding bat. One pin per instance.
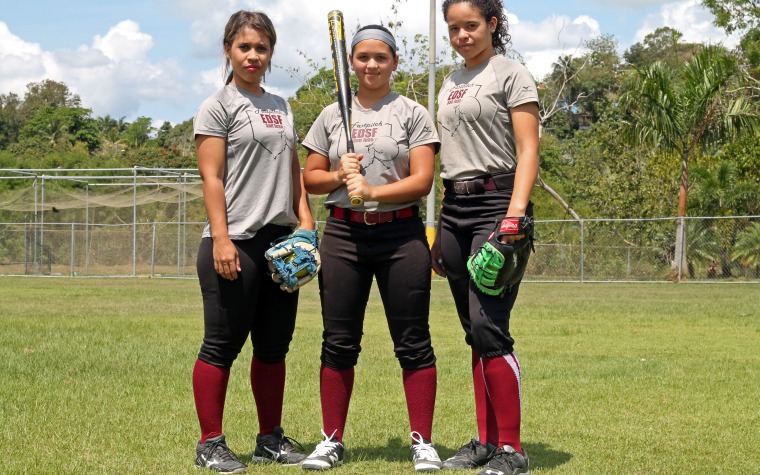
(383, 238)
(488, 121)
(253, 192)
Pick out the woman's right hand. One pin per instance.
(226, 259)
(349, 165)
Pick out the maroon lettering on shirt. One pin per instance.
(364, 134)
(456, 95)
(271, 120)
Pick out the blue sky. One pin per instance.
(161, 58)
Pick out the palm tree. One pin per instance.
(747, 248)
(111, 130)
(704, 102)
(718, 192)
(703, 247)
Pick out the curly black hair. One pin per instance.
(500, 38)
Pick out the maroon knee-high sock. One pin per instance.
(419, 388)
(268, 386)
(335, 389)
(209, 391)
(502, 376)
(488, 429)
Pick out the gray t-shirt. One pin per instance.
(474, 120)
(257, 174)
(384, 134)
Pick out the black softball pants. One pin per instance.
(252, 304)
(396, 254)
(466, 222)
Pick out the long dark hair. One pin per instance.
(488, 8)
(245, 19)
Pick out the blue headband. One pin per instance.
(374, 34)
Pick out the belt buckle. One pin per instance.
(364, 215)
(462, 187)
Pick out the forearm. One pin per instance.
(216, 207)
(318, 177)
(414, 186)
(408, 189)
(525, 179)
(300, 198)
(525, 122)
(322, 182)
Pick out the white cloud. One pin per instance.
(124, 42)
(542, 43)
(112, 76)
(23, 62)
(12, 44)
(301, 27)
(690, 18)
(117, 73)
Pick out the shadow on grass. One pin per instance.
(542, 456)
(395, 450)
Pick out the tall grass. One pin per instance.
(617, 378)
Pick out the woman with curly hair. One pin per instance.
(488, 125)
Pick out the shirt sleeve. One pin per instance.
(318, 137)
(520, 87)
(211, 119)
(422, 129)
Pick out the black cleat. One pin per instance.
(471, 455)
(275, 447)
(507, 461)
(215, 455)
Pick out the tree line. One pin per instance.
(49, 128)
(668, 128)
(626, 135)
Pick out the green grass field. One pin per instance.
(617, 379)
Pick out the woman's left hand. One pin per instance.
(357, 186)
(510, 238)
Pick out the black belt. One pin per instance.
(481, 184)
(371, 217)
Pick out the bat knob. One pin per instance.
(356, 200)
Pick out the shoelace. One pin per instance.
(323, 448)
(471, 446)
(422, 449)
(290, 445)
(504, 458)
(220, 449)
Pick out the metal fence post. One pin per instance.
(134, 221)
(26, 248)
(72, 250)
(36, 222)
(87, 228)
(184, 223)
(179, 228)
(430, 223)
(153, 252)
(583, 250)
(42, 215)
(680, 236)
